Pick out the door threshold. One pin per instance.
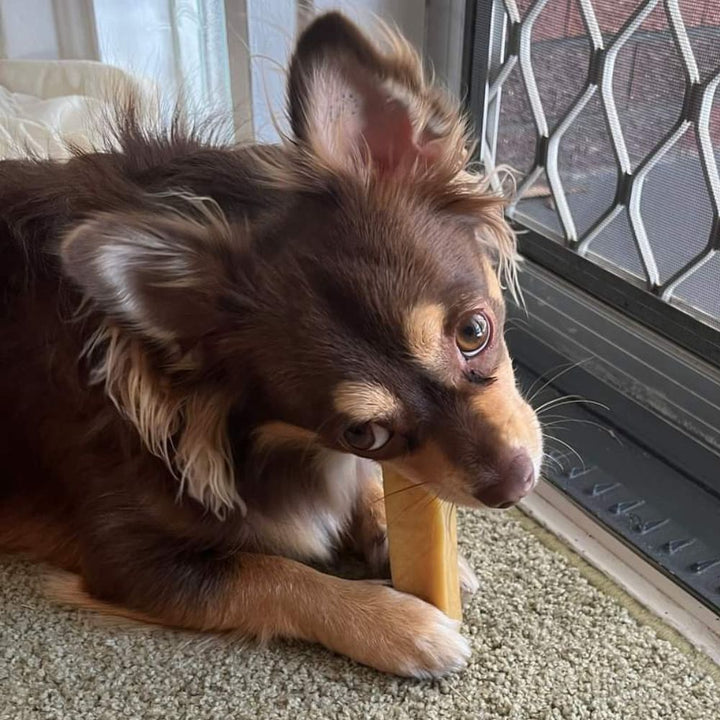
(659, 594)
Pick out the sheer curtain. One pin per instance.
(180, 44)
(227, 56)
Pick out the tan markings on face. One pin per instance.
(494, 290)
(365, 401)
(279, 434)
(431, 467)
(424, 335)
(511, 416)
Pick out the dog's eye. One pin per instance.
(472, 334)
(367, 437)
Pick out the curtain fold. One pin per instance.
(223, 56)
(181, 45)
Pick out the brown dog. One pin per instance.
(207, 350)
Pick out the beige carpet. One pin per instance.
(547, 644)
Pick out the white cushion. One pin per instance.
(46, 104)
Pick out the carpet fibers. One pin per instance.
(547, 642)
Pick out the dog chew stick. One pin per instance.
(422, 539)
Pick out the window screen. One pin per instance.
(608, 112)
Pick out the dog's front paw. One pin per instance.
(469, 584)
(404, 635)
(439, 648)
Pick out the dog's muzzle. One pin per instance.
(516, 478)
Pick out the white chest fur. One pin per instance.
(313, 528)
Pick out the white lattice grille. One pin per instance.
(610, 112)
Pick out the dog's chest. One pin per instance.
(312, 527)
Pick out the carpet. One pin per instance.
(549, 643)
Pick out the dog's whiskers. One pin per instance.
(559, 374)
(568, 400)
(401, 490)
(560, 419)
(546, 456)
(553, 438)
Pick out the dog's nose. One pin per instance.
(517, 476)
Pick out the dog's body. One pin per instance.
(206, 351)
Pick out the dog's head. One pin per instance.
(363, 312)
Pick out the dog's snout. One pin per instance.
(516, 477)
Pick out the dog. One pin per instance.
(208, 352)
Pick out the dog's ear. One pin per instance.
(163, 275)
(349, 101)
(169, 277)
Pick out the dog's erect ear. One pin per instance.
(163, 275)
(348, 100)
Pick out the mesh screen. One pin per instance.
(609, 112)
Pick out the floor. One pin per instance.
(549, 642)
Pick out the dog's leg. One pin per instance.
(370, 535)
(369, 531)
(266, 596)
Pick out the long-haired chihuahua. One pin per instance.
(209, 350)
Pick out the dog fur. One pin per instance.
(190, 329)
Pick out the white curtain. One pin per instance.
(227, 56)
(180, 44)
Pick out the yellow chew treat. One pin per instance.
(422, 536)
